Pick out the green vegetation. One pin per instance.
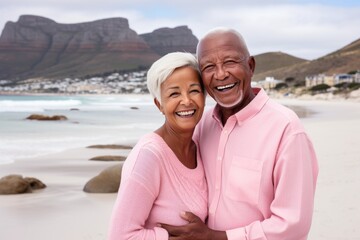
(353, 72)
(320, 88)
(281, 86)
(347, 86)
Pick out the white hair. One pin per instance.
(161, 69)
(224, 30)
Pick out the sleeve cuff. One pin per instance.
(236, 234)
(161, 234)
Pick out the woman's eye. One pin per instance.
(195, 91)
(173, 94)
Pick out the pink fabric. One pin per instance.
(261, 170)
(155, 188)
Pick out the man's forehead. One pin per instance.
(211, 54)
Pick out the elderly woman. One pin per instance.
(163, 175)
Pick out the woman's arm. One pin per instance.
(136, 196)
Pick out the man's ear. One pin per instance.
(252, 64)
(158, 105)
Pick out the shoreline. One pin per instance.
(63, 211)
(352, 96)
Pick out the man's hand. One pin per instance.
(194, 230)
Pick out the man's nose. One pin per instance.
(220, 72)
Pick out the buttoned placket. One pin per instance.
(229, 126)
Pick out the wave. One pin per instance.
(37, 105)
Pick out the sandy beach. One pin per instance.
(64, 211)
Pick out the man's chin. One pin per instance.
(231, 104)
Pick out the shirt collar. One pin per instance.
(250, 110)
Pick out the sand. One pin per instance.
(64, 211)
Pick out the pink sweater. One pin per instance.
(155, 188)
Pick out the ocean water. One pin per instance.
(108, 119)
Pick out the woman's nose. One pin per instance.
(186, 99)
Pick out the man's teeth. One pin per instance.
(225, 87)
(186, 113)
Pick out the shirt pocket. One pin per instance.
(243, 183)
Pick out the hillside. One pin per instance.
(38, 47)
(344, 60)
(274, 60)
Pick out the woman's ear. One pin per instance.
(158, 105)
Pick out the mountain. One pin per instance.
(270, 61)
(344, 60)
(165, 40)
(38, 47)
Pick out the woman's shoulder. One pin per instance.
(152, 142)
(149, 149)
(145, 158)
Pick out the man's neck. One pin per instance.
(225, 113)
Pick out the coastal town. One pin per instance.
(321, 86)
(114, 83)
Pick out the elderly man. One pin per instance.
(260, 165)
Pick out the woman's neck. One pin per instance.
(181, 144)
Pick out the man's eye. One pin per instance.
(230, 62)
(208, 67)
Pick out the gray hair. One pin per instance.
(224, 30)
(161, 69)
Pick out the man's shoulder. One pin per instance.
(282, 111)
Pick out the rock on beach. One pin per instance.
(16, 184)
(108, 181)
(108, 158)
(110, 146)
(41, 117)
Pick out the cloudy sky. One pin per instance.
(304, 28)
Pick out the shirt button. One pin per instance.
(219, 158)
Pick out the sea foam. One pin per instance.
(36, 105)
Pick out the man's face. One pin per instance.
(226, 68)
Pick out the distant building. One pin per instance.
(269, 83)
(314, 80)
(331, 80)
(341, 78)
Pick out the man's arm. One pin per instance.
(194, 230)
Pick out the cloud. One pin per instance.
(304, 30)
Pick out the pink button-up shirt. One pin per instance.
(261, 170)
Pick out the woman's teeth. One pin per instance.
(186, 113)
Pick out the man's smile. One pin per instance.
(225, 87)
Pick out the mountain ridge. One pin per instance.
(39, 47)
(343, 60)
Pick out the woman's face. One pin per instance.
(182, 99)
